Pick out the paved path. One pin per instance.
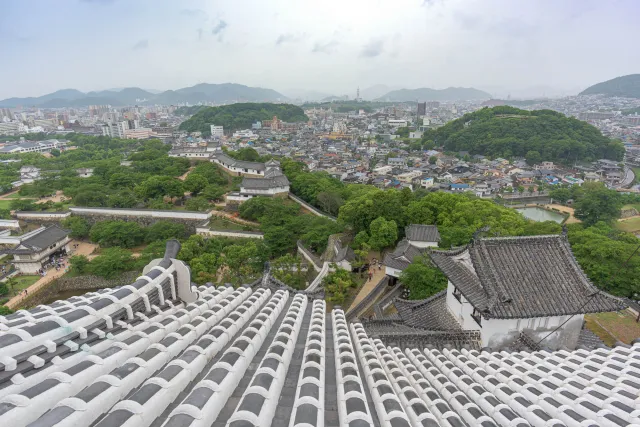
(368, 286)
(83, 249)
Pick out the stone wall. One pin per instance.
(144, 221)
(626, 213)
(86, 283)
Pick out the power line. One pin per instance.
(624, 265)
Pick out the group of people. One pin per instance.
(372, 267)
(54, 262)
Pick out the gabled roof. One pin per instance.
(402, 256)
(265, 183)
(523, 277)
(422, 233)
(40, 241)
(230, 161)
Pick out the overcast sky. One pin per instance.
(330, 45)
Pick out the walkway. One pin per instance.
(186, 174)
(83, 249)
(378, 274)
(572, 219)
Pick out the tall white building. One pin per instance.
(115, 130)
(217, 131)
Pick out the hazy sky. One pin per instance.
(329, 45)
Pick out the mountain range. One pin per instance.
(427, 94)
(624, 86)
(204, 92)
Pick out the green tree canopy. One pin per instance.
(117, 233)
(597, 203)
(422, 279)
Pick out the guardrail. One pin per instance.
(368, 300)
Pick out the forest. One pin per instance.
(510, 132)
(240, 116)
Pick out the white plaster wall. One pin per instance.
(236, 234)
(390, 271)
(140, 212)
(461, 310)
(424, 244)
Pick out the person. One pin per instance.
(370, 275)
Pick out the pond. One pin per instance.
(539, 214)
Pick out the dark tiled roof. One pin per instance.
(40, 241)
(522, 277)
(230, 161)
(431, 314)
(265, 183)
(402, 256)
(422, 233)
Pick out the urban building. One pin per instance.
(217, 131)
(36, 250)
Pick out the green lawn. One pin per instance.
(5, 204)
(612, 327)
(631, 225)
(18, 196)
(636, 178)
(635, 206)
(23, 282)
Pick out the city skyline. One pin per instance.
(331, 47)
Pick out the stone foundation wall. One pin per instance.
(88, 283)
(626, 213)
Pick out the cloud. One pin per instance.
(372, 49)
(219, 27)
(289, 38)
(324, 47)
(141, 45)
(98, 1)
(200, 31)
(193, 12)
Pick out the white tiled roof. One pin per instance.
(260, 357)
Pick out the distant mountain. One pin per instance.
(426, 94)
(204, 92)
(305, 95)
(625, 86)
(375, 91)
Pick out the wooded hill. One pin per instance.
(624, 86)
(510, 132)
(241, 116)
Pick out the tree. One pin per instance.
(79, 263)
(5, 311)
(598, 203)
(197, 204)
(361, 239)
(111, 262)
(55, 152)
(193, 247)
(205, 268)
(422, 279)
(117, 233)
(329, 202)
(4, 289)
(383, 233)
(195, 183)
(94, 197)
(433, 160)
(125, 198)
(160, 186)
(164, 230)
(122, 180)
(560, 194)
(337, 284)
(288, 269)
(23, 205)
(213, 192)
(533, 157)
(79, 226)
